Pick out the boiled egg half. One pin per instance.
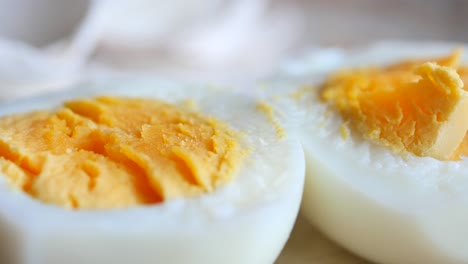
(383, 135)
(173, 214)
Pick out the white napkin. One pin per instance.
(26, 69)
(203, 39)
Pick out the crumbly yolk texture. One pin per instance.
(114, 152)
(415, 106)
(270, 115)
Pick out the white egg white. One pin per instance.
(245, 221)
(384, 207)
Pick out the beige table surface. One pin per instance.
(308, 246)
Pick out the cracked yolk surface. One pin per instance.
(113, 152)
(418, 106)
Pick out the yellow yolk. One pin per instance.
(269, 113)
(111, 152)
(412, 106)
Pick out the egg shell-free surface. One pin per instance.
(386, 208)
(246, 221)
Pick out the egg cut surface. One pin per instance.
(89, 182)
(384, 140)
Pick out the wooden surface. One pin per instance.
(308, 246)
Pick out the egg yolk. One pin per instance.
(114, 152)
(417, 106)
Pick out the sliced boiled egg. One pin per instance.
(145, 172)
(384, 140)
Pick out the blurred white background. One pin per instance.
(47, 44)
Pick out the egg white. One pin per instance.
(245, 221)
(384, 207)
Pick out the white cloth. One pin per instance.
(197, 40)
